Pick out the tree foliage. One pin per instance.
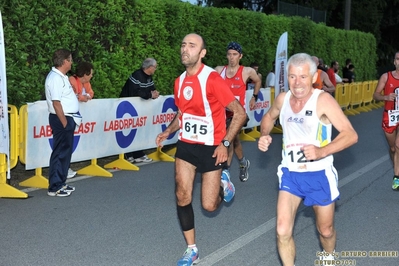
(379, 18)
(117, 35)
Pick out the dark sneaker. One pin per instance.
(395, 183)
(68, 189)
(228, 186)
(190, 257)
(60, 193)
(244, 171)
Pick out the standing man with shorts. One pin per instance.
(62, 104)
(306, 171)
(389, 83)
(201, 96)
(236, 77)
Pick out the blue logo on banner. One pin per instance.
(168, 104)
(125, 107)
(258, 116)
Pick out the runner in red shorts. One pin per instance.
(389, 85)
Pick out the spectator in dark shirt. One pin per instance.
(345, 69)
(140, 84)
(349, 76)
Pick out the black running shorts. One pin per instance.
(198, 155)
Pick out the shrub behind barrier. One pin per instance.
(117, 35)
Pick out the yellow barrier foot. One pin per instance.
(171, 152)
(38, 180)
(277, 130)
(375, 106)
(35, 181)
(244, 136)
(94, 170)
(7, 191)
(350, 112)
(362, 109)
(121, 164)
(254, 133)
(159, 155)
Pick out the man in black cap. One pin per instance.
(236, 77)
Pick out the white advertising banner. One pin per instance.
(109, 127)
(281, 83)
(4, 133)
(114, 126)
(261, 107)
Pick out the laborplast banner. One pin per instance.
(115, 126)
(109, 127)
(262, 105)
(281, 82)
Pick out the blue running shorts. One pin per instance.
(315, 188)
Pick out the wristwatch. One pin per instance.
(226, 143)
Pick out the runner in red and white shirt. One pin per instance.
(201, 96)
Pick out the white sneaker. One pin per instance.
(130, 159)
(71, 173)
(143, 159)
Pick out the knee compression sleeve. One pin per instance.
(186, 217)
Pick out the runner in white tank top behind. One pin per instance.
(306, 171)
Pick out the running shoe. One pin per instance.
(395, 183)
(68, 188)
(59, 193)
(228, 186)
(190, 257)
(130, 159)
(244, 171)
(143, 159)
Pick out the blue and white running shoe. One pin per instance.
(190, 257)
(228, 186)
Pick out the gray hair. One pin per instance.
(300, 60)
(148, 63)
(59, 56)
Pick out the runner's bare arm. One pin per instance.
(173, 127)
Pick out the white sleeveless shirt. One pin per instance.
(301, 129)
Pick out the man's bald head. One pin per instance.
(198, 39)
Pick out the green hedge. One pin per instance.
(117, 35)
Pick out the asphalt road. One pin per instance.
(130, 219)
